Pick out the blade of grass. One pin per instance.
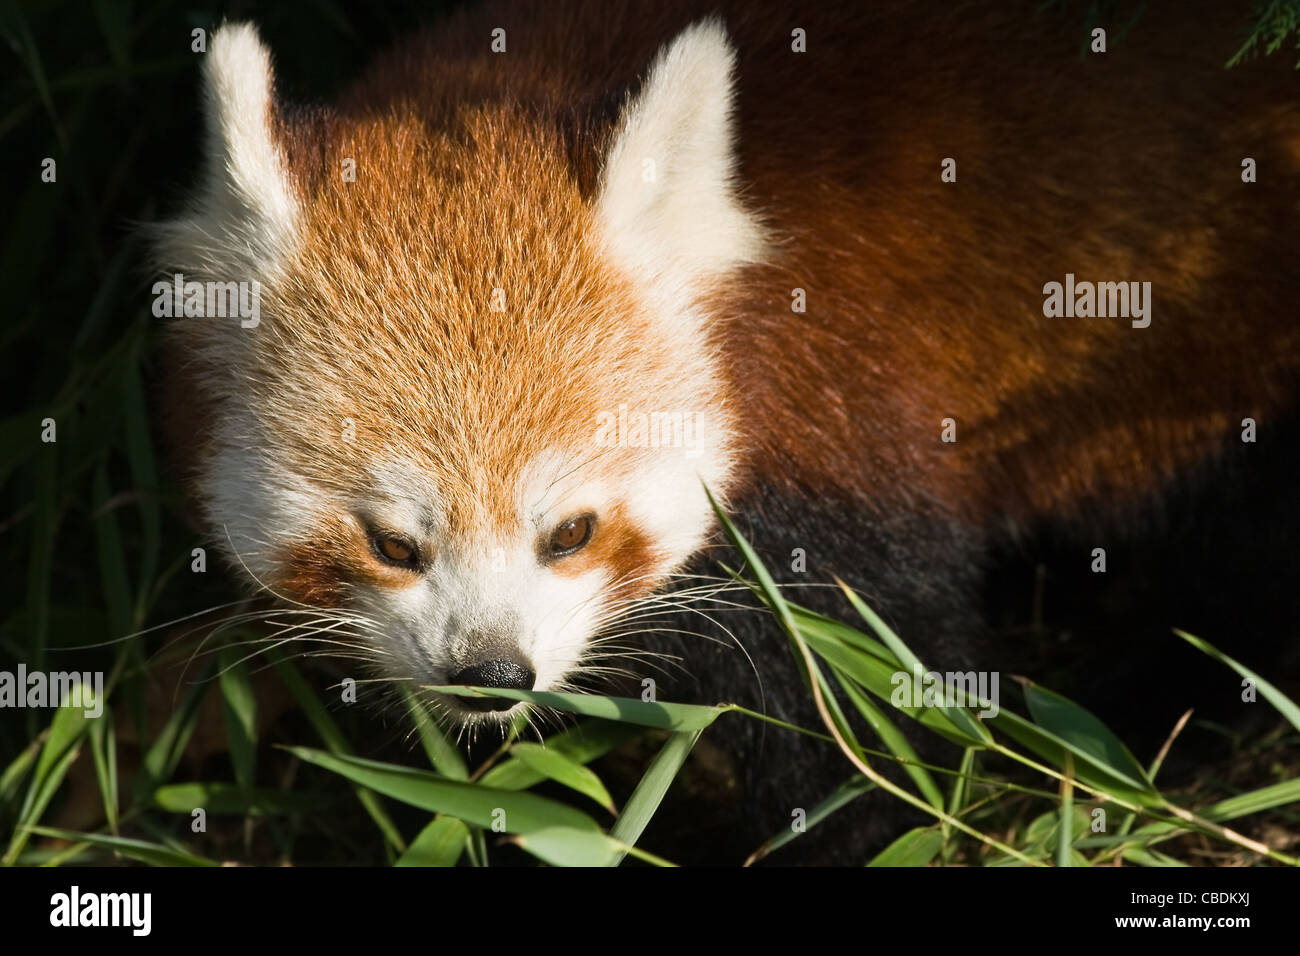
(569, 773)
(442, 753)
(957, 800)
(893, 739)
(169, 744)
(17, 771)
(240, 716)
(911, 664)
(582, 744)
(103, 749)
(441, 843)
(231, 799)
(844, 794)
(654, 783)
(644, 713)
(914, 848)
(1285, 706)
(1067, 721)
(151, 853)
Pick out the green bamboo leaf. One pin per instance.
(37, 800)
(153, 853)
(894, 740)
(878, 677)
(442, 753)
(810, 622)
(1285, 706)
(1144, 857)
(676, 717)
(112, 556)
(1232, 808)
(654, 783)
(965, 728)
(911, 664)
(240, 714)
(17, 771)
(67, 728)
(229, 798)
(1085, 734)
(556, 766)
(103, 750)
(914, 848)
(441, 843)
(582, 743)
(1095, 774)
(551, 831)
(170, 742)
(957, 800)
(844, 794)
(1256, 801)
(805, 661)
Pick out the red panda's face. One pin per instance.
(454, 594)
(478, 410)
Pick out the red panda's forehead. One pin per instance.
(449, 306)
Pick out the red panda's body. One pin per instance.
(865, 341)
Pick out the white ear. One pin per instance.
(667, 199)
(245, 215)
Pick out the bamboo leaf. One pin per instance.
(153, 853)
(677, 717)
(649, 792)
(914, 848)
(556, 766)
(441, 843)
(1285, 705)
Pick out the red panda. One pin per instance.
(549, 270)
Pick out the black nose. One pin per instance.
(501, 672)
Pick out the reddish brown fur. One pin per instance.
(621, 548)
(924, 298)
(320, 569)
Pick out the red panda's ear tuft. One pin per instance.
(667, 200)
(244, 216)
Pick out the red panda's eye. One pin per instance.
(395, 550)
(571, 535)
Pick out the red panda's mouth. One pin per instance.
(484, 705)
(477, 710)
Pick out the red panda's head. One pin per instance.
(476, 408)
